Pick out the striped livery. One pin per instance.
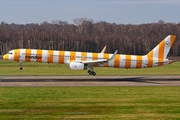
(156, 57)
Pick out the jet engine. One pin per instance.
(78, 66)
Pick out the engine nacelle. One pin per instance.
(77, 66)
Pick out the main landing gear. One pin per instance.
(91, 72)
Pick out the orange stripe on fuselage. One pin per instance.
(106, 56)
(39, 55)
(28, 55)
(117, 61)
(61, 57)
(16, 54)
(161, 53)
(150, 59)
(84, 56)
(138, 61)
(72, 56)
(50, 56)
(94, 56)
(128, 61)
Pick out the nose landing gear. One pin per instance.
(20, 64)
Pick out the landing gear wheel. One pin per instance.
(91, 73)
(20, 64)
(21, 68)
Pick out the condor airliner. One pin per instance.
(88, 60)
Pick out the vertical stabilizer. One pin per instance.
(162, 49)
(158, 55)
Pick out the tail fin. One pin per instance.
(162, 49)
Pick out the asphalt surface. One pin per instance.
(90, 80)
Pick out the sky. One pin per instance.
(111, 11)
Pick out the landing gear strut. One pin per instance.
(91, 73)
(20, 64)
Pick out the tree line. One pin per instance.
(87, 35)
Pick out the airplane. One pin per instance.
(89, 60)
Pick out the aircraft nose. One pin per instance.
(5, 57)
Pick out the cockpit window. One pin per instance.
(10, 53)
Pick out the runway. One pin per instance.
(90, 80)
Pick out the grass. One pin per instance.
(40, 69)
(162, 103)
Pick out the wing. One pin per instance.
(95, 62)
(100, 62)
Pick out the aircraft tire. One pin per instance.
(93, 73)
(21, 68)
(90, 73)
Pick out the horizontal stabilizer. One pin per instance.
(165, 62)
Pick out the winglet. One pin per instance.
(103, 50)
(114, 55)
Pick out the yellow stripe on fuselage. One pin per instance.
(84, 56)
(72, 56)
(16, 54)
(61, 57)
(150, 59)
(117, 61)
(139, 62)
(94, 56)
(28, 55)
(39, 54)
(50, 56)
(128, 61)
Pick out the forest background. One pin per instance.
(86, 35)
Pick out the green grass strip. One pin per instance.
(104, 103)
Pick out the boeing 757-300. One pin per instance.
(88, 60)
